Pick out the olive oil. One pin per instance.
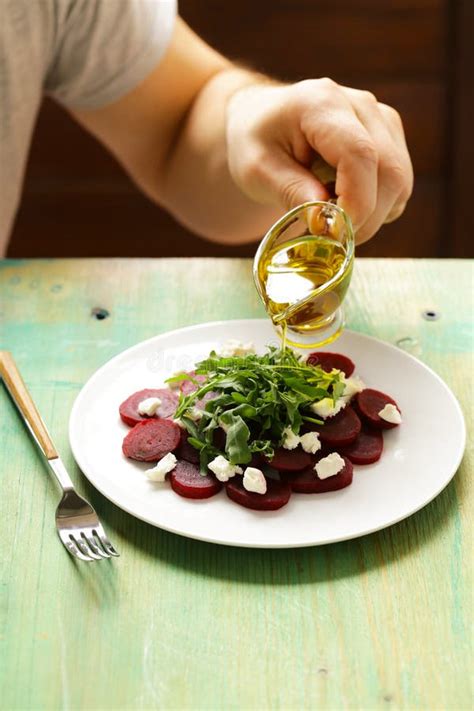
(303, 283)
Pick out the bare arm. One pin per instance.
(226, 150)
(169, 134)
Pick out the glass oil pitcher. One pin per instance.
(302, 270)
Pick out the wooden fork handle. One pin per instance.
(22, 398)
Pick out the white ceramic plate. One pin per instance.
(420, 457)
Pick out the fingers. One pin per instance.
(357, 173)
(395, 126)
(289, 181)
(394, 171)
(364, 140)
(395, 213)
(272, 133)
(335, 132)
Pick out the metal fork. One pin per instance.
(77, 523)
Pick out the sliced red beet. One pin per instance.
(277, 495)
(257, 461)
(328, 361)
(290, 460)
(367, 448)
(149, 441)
(129, 408)
(308, 482)
(187, 481)
(188, 386)
(340, 430)
(370, 402)
(187, 451)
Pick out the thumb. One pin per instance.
(293, 184)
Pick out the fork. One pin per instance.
(77, 523)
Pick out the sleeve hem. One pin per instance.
(127, 78)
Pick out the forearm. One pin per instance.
(228, 151)
(198, 187)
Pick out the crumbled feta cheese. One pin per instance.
(310, 442)
(352, 386)
(390, 414)
(232, 348)
(180, 423)
(165, 465)
(290, 439)
(326, 408)
(149, 406)
(223, 469)
(329, 466)
(254, 480)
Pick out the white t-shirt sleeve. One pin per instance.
(105, 48)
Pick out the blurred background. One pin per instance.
(417, 55)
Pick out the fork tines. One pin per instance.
(88, 544)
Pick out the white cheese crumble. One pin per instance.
(310, 442)
(390, 414)
(326, 408)
(232, 347)
(180, 423)
(165, 465)
(329, 466)
(290, 439)
(352, 386)
(223, 469)
(149, 406)
(254, 480)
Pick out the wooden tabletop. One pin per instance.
(381, 622)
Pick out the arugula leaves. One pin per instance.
(255, 398)
(237, 437)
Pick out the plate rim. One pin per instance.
(243, 321)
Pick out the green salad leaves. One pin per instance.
(254, 399)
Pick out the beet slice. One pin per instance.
(370, 402)
(257, 461)
(367, 448)
(186, 480)
(277, 495)
(340, 430)
(308, 482)
(328, 361)
(129, 408)
(289, 460)
(187, 451)
(187, 386)
(149, 441)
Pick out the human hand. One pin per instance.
(274, 131)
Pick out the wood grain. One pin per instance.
(359, 38)
(382, 622)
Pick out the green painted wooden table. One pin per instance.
(382, 622)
